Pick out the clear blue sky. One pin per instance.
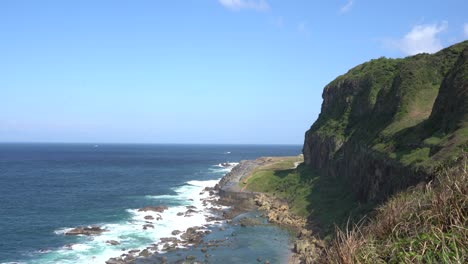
(195, 71)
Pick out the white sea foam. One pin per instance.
(62, 231)
(203, 184)
(130, 233)
(80, 247)
(222, 168)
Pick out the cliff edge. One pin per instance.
(390, 123)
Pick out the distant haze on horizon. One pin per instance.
(213, 71)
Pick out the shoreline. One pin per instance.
(226, 201)
(275, 210)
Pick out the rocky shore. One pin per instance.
(306, 248)
(227, 193)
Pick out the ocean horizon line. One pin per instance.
(144, 143)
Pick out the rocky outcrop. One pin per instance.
(277, 211)
(86, 230)
(230, 181)
(158, 209)
(307, 248)
(113, 242)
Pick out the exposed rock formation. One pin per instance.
(86, 230)
(158, 209)
(278, 212)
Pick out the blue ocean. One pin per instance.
(47, 189)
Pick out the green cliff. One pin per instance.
(385, 176)
(390, 123)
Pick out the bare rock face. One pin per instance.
(278, 212)
(158, 209)
(87, 231)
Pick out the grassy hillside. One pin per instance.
(385, 163)
(385, 104)
(426, 224)
(324, 200)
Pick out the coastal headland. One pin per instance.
(383, 176)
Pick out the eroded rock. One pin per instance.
(87, 231)
(158, 209)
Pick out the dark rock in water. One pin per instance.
(204, 250)
(149, 217)
(259, 259)
(193, 236)
(113, 242)
(176, 232)
(190, 211)
(169, 239)
(133, 251)
(190, 207)
(68, 246)
(87, 231)
(180, 214)
(266, 262)
(115, 261)
(190, 257)
(144, 253)
(214, 218)
(148, 226)
(168, 247)
(158, 209)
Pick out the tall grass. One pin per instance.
(427, 224)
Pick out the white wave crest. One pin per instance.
(132, 234)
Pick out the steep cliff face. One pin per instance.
(384, 123)
(451, 108)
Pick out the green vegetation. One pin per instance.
(386, 125)
(427, 224)
(424, 224)
(387, 105)
(325, 201)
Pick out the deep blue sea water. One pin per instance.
(46, 189)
